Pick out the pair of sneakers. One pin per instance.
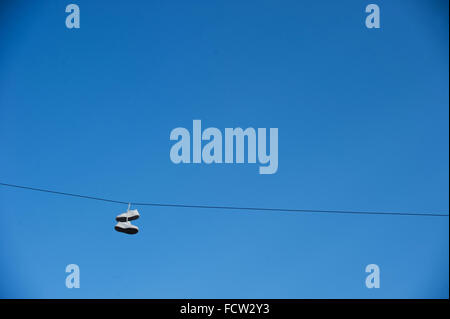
(124, 225)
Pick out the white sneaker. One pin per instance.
(126, 227)
(129, 215)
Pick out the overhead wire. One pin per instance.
(267, 209)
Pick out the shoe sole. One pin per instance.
(124, 219)
(130, 231)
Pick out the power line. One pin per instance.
(227, 207)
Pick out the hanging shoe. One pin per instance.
(129, 215)
(126, 227)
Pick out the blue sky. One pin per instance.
(363, 125)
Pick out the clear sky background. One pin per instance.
(363, 125)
